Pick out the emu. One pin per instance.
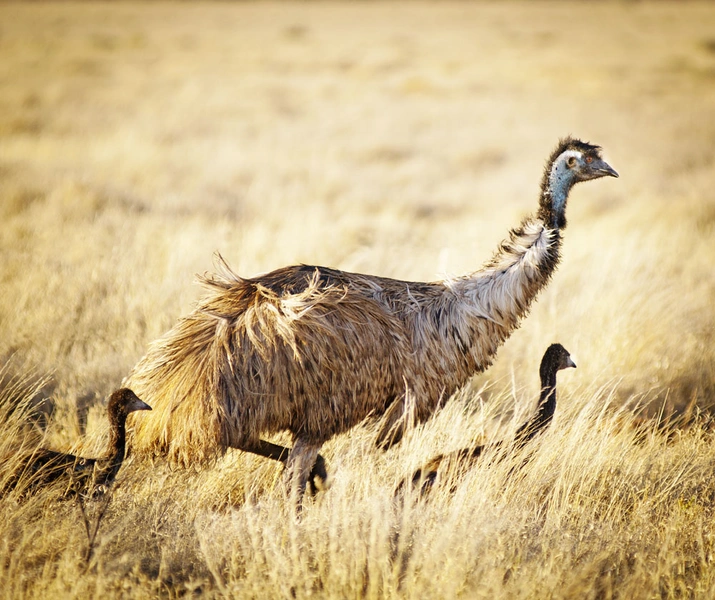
(92, 476)
(555, 359)
(314, 350)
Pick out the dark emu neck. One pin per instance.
(545, 411)
(117, 444)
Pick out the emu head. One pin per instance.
(571, 162)
(574, 161)
(555, 358)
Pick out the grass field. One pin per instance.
(402, 139)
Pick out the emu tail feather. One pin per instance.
(187, 377)
(177, 377)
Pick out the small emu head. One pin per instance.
(124, 401)
(555, 358)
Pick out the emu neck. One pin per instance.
(485, 307)
(555, 187)
(547, 399)
(117, 441)
(544, 413)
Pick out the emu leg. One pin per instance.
(318, 476)
(269, 450)
(301, 463)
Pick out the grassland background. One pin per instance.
(400, 139)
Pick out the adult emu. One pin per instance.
(314, 351)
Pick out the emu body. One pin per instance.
(87, 475)
(314, 350)
(555, 359)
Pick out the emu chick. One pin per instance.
(92, 476)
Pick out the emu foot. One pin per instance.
(318, 480)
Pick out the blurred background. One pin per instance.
(401, 139)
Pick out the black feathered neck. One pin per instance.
(117, 411)
(551, 363)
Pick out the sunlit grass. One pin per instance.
(602, 507)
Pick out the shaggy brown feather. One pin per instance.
(314, 350)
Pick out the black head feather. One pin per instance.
(570, 143)
(555, 358)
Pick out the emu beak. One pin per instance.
(569, 360)
(603, 169)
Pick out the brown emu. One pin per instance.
(314, 350)
(555, 358)
(86, 475)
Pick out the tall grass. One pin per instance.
(401, 139)
(603, 508)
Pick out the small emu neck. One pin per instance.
(117, 438)
(547, 398)
(544, 412)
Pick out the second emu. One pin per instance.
(554, 360)
(89, 476)
(314, 351)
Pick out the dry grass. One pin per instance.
(400, 139)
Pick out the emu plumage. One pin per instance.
(314, 351)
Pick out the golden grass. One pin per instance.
(401, 139)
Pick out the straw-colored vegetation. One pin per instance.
(401, 139)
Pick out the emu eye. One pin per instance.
(589, 159)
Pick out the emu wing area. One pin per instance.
(306, 349)
(316, 352)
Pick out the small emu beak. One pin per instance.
(571, 363)
(141, 405)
